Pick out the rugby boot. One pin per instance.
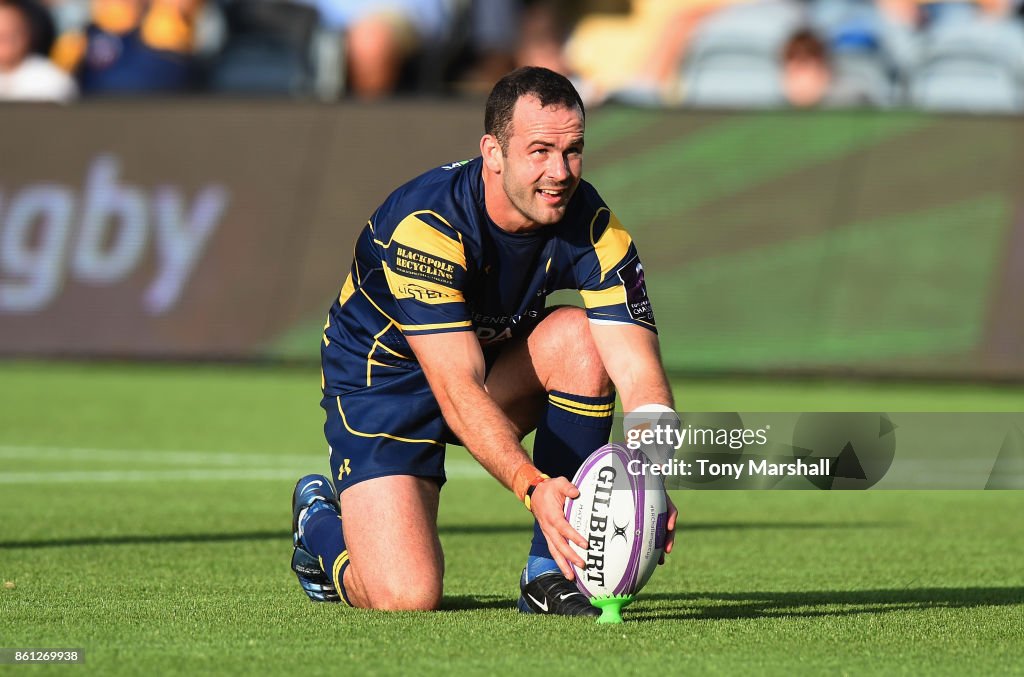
(312, 493)
(553, 593)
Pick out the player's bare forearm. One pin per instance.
(632, 358)
(482, 427)
(454, 366)
(491, 438)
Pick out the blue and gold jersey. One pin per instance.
(431, 260)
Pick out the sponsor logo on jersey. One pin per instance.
(418, 291)
(631, 274)
(420, 265)
(494, 328)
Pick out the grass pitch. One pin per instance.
(145, 519)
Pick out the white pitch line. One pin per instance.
(240, 466)
(154, 455)
(459, 471)
(101, 476)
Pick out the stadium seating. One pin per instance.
(733, 59)
(272, 48)
(860, 48)
(867, 71)
(974, 65)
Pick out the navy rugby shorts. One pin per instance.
(393, 427)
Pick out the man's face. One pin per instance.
(13, 38)
(806, 81)
(544, 161)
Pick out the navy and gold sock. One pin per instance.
(323, 537)
(571, 429)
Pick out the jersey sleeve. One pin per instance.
(425, 268)
(610, 276)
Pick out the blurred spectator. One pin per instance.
(634, 51)
(132, 47)
(806, 74)
(381, 36)
(43, 29)
(543, 31)
(494, 38)
(67, 15)
(808, 79)
(508, 34)
(903, 12)
(24, 75)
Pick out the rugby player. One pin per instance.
(440, 335)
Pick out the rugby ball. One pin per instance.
(623, 514)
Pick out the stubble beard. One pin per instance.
(524, 200)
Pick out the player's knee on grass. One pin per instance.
(397, 560)
(415, 593)
(574, 365)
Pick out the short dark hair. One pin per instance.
(551, 88)
(804, 45)
(37, 21)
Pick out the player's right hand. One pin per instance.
(548, 505)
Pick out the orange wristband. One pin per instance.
(528, 498)
(524, 478)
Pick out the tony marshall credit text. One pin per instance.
(704, 468)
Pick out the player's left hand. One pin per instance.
(670, 538)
